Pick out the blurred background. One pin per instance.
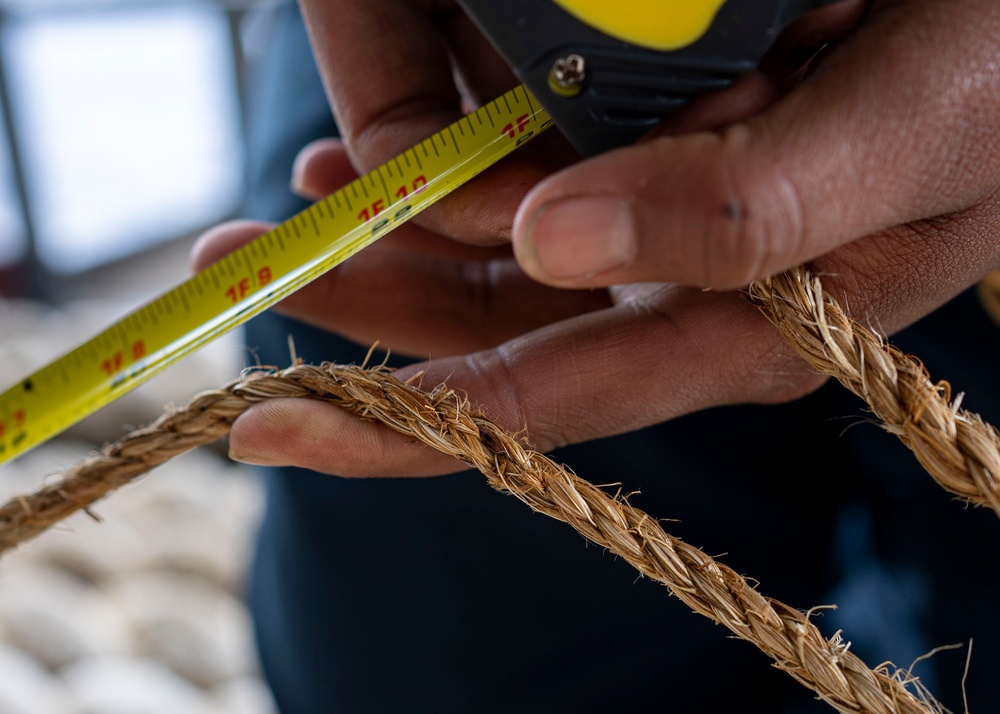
(122, 136)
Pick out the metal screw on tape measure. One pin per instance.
(567, 75)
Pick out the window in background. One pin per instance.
(130, 124)
(12, 237)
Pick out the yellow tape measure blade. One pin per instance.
(256, 276)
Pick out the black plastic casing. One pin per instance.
(627, 90)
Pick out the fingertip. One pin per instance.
(574, 239)
(315, 435)
(283, 432)
(223, 239)
(320, 168)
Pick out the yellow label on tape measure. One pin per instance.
(654, 24)
(261, 273)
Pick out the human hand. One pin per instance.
(877, 170)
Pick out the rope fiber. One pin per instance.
(958, 449)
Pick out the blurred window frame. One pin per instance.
(28, 276)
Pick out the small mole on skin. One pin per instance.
(732, 212)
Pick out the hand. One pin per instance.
(876, 167)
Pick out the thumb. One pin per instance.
(895, 125)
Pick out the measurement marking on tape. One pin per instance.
(261, 273)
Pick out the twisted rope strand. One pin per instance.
(445, 421)
(956, 447)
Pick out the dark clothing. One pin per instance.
(441, 595)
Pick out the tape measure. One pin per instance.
(254, 277)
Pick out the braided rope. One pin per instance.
(958, 449)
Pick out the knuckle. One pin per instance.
(495, 373)
(754, 224)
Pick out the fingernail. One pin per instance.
(581, 237)
(297, 182)
(244, 456)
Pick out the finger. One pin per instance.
(406, 80)
(223, 239)
(413, 300)
(750, 94)
(599, 374)
(482, 73)
(651, 358)
(321, 168)
(895, 126)
(891, 279)
(809, 33)
(406, 92)
(821, 25)
(426, 305)
(328, 439)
